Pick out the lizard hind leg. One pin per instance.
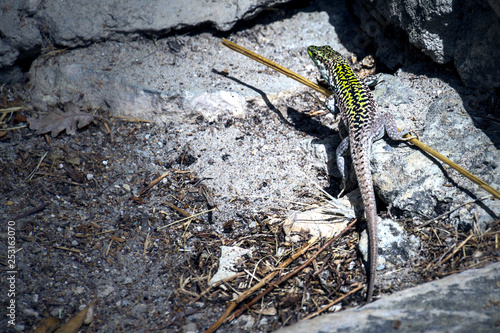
(385, 123)
(341, 149)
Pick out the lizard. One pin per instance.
(359, 113)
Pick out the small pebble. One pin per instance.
(20, 327)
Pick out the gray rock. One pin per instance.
(396, 246)
(420, 186)
(408, 180)
(80, 23)
(20, 35)
(166, 80)
(76, 82)
(465, 33)
(458, 303)
(70, 25)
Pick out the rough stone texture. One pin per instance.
(400, 172)
(119, 20)
(19, 31)
(169, 79)
(464, 32)
(79, 23)
(465, 302)
(396, 247)
(20, 38)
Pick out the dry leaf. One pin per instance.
(74, 324)
(58, 121)
(75, 175)
(47, 325)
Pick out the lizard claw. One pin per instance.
(344, 186)
(411, 135)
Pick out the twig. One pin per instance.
(314, 314)
(450, 211)
(457, 248)
(153, 183)
(132, 119)
(109, 247)
(59, 178)
(31, 212)
(13, 128)
(177, 209)
(68, 249)
(186, 218)
(7, 110)
(275, 66)
(262, 282)
(215, 285)
(37, 166)
(457, 167)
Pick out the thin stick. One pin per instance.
(177, 209)
(275, 66)
(153, 183)
(7, 110)
(450, 211)
(68, 249)
(457, 249)
(186, 218)
(37, 166)
(329, 305)
(326, 92)
(13, 128)
(215, 285)
(31, 212)
(132, 119)
(457, 167)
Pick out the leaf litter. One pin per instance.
(57, 121)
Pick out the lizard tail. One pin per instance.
(365, 181)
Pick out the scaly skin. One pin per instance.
(359, 113)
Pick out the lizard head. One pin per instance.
(325, 58)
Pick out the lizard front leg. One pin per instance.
(331, 104)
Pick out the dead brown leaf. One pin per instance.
(47, 325)
(82, 317)
(58, 121)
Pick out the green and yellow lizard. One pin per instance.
(365, 124)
